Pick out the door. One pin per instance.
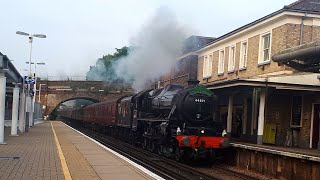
(316, 120)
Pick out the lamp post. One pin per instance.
(35, 66)
(35, 86)
(30, 109)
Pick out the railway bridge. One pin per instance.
(52, 93)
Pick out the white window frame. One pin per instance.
(207, 66)
(221, 62)
(232, 59)
(210, 61)
(261, 60)
(243, 56)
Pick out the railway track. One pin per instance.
(164, 167)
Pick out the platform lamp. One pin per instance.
(35, 82)
(30, 36)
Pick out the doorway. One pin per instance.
(315, 125)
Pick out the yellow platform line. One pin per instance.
(64, 165)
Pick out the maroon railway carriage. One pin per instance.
(102, 114)
(110, 113)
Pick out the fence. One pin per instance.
(37, 112)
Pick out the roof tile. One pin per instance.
(305, 5)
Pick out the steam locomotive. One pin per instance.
(172, 121)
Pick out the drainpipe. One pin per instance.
(302, 27)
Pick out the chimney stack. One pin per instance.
(193, 82)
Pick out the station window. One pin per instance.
(296, 111)
(221, 62)
(243, 55)
(207, 66)
(210, 66)
(231, 62)
(264, 50)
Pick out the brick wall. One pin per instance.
(315, 33)
(278, 112)
(304, 132)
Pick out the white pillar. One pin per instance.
(253, 110)
(229, 118)
(2, 106)
(261, 116)
(22, 111)
(28, 110)
(33, 102)
(15, 111)
(30, 101)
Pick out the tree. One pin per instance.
(104, 69)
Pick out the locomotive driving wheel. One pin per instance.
(160, 149)
(151, 146)
(177, 153)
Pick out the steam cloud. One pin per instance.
(155, 50)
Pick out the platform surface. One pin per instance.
(37, 156)
(32, 155)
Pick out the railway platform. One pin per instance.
(276, 161)
(53, 150)
(299, 153)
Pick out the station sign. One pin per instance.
(29, 80)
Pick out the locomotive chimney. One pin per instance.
(193, 82)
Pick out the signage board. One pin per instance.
(29, 80)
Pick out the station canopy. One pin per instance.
(10, 72)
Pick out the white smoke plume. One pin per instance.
(155, 50)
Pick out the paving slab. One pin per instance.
(31, 155)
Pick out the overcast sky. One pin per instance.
(80, 31)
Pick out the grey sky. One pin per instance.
(79, 32)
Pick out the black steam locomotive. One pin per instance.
(172, 121)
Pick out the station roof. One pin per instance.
(304, 5)
(193, 43)
(10, 72)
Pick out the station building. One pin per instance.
(262, 101)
